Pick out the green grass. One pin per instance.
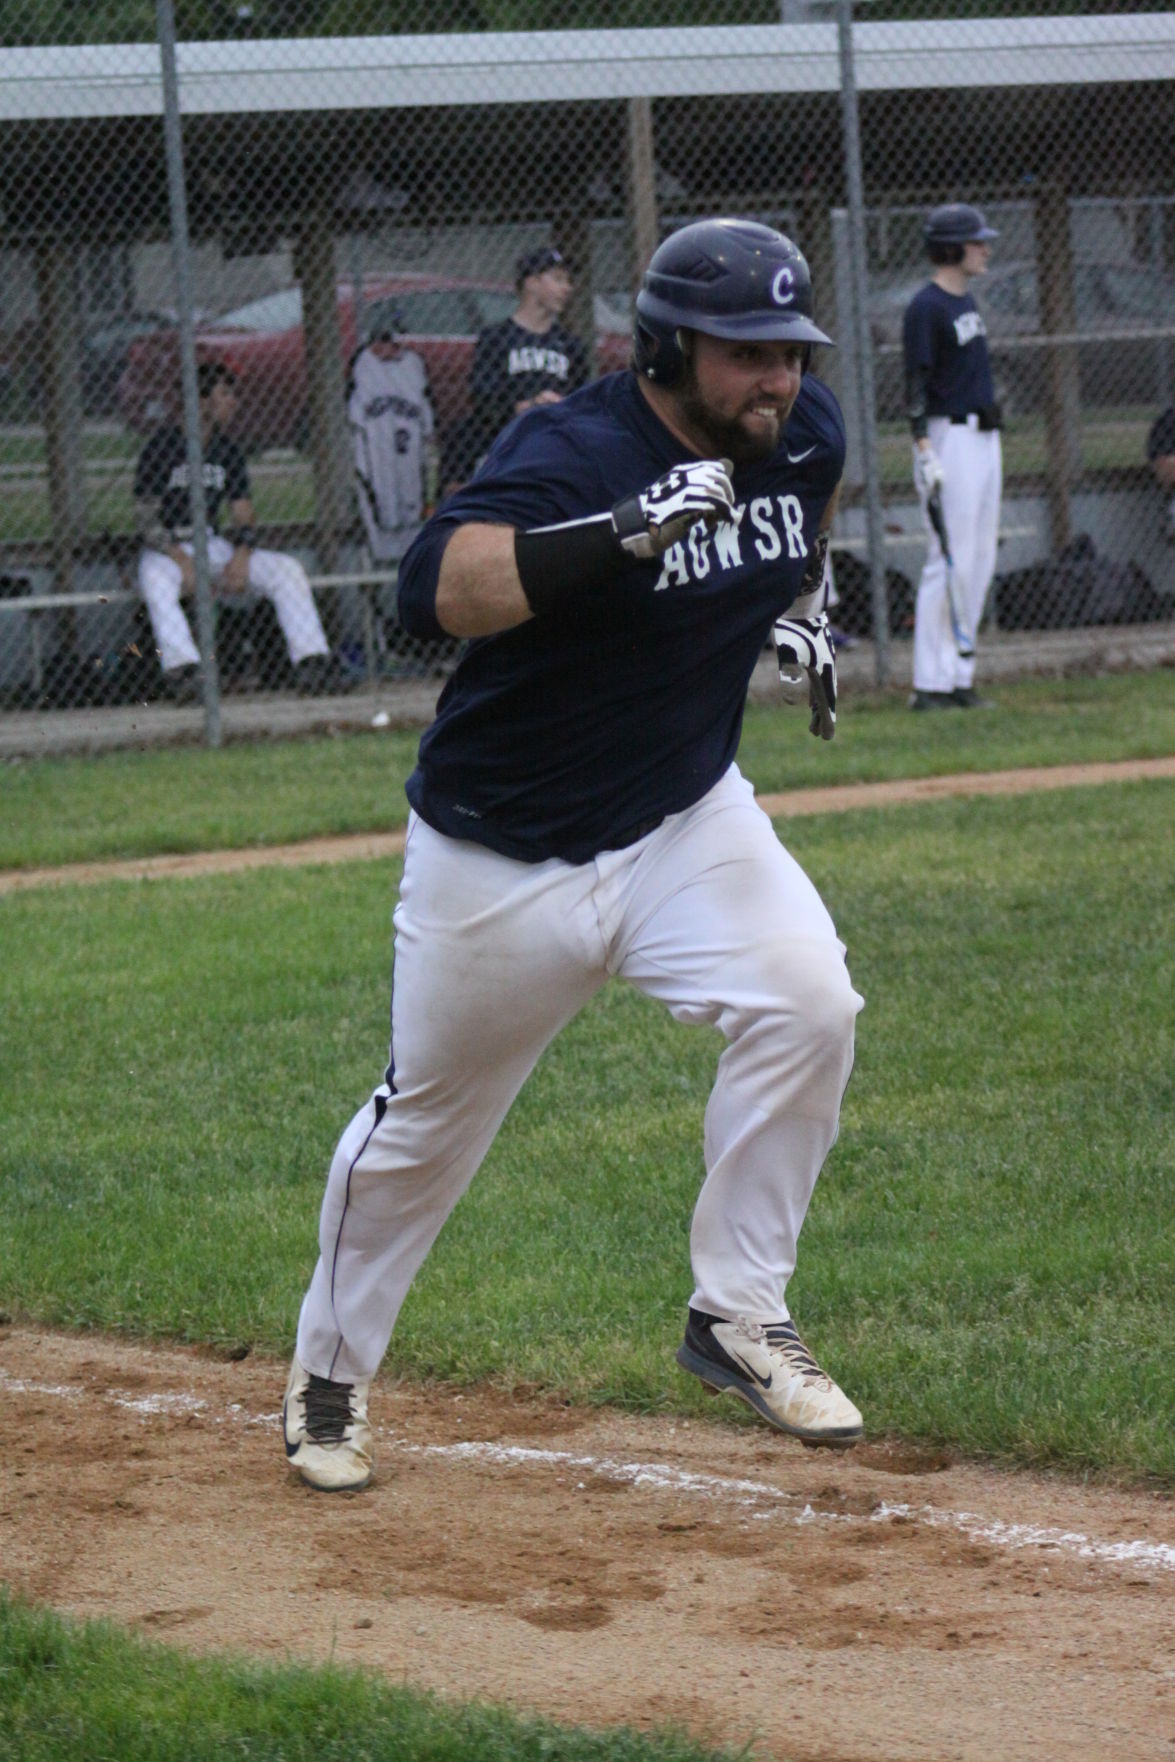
(1040, 722)
(251, 793)
(1108, 440)
(25, 447)
(988, 1259)
(90, 1693)
(257, 793)
(284, 493)
(283, 496)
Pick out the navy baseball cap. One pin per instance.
(538, 262)
(957, 223)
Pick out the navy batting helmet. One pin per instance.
(956, 223)
(729, 278)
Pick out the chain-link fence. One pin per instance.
(359, 196)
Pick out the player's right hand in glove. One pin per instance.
(803, 647)
(929, 475)
(655, 518)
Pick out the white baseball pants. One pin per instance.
(278, 577)
(972, 463)
(493, 957)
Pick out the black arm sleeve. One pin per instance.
(560, 566)
(236, 473)
(917, 383)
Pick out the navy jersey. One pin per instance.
(561, 736)
(162, 475)
(511, 365)
(945, 343)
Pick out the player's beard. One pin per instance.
(725, 438)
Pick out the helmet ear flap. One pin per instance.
(657, 356)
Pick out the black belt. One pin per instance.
(987, 420)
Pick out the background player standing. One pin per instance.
(166, 569)
(955, 422)
(526, 360)
(617, 567)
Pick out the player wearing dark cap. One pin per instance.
(167, 570)
(528, 359)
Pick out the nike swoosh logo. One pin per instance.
(763, 1382)
(795, 458)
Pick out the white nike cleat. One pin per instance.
(771, 1369)
(328, 1439)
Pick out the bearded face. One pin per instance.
(734, 396)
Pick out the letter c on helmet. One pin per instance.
(783, 287)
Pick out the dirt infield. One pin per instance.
(885, 1604)
(366, 846)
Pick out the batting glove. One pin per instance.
(655, 518)
(929, 475)
(803, 648)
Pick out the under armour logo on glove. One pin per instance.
(649, 522)
(804, 650)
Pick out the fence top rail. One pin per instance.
(511, 67)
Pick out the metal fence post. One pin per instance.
(874, 526)
(181, 259)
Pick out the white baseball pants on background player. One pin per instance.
(278, 577)
(972, 467)
(710, 915)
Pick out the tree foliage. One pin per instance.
(28, 22)
(131, 21)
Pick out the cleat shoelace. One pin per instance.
(328, 1410)
(782, 1337)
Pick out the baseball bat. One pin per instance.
(963, 642)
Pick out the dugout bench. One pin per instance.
(40, 608)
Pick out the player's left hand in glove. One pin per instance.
(655, 518)
(929, 475)
(804, 648)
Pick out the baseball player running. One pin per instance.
(166, 569)
(577, 814)
(955, 422)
